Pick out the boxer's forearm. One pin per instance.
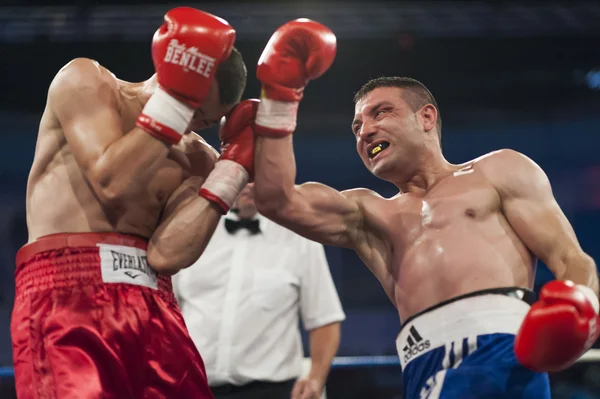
(324, 344)
(181, 238)
(274, 172)
(128, 165)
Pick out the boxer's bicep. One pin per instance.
(322, 214)
(314, 210)
(542, 226)
(530, 208)
(86, 108)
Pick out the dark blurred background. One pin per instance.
(506, 74)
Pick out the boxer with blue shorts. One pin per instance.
(464, 348)
(450, 233)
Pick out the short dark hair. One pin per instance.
(231, 77)
(415, 93)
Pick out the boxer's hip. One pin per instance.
(90, 316)
(78, 259)
(465, 346)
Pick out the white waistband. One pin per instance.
(464, 318)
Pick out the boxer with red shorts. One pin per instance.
(121, 195)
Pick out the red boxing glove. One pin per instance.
(186, 51)
(237, 135)
(559, 328)
(299, 51)
(235, 167)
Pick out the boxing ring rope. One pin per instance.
(349, 362)
(6, 372)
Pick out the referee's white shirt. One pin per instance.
(242, 299)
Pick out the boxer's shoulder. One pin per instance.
(506, 159)
(371, 205)
(495, 164)
(509, 170)
(84, 76)
(85, 72)
(362, 195)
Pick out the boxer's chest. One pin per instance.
(456, 200)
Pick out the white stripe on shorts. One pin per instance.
(434, 386)
(463, 319)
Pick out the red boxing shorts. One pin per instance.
(92, 320)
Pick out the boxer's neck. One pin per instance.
(431, 167)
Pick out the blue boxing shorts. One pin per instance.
(464, 349)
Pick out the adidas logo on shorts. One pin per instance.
(415, 344)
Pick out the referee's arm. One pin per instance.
(322, 314)
(324, 343)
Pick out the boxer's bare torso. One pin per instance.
(452, 229)
(451, 240)
(61, 199)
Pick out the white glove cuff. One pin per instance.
(277, 115)
(165, 110)
(226, 181)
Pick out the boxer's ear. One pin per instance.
(427, 116)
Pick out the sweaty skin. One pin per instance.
(95, 171)
(452, 229)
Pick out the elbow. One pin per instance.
(166, 260)
(574, 265)
(110, 195)
(165, 266)
(592, 270)
(106, 184)
(269, 206)
(270, 203)
(265, 207)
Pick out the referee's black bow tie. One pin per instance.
(234, 225)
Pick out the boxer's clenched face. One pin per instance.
(211, 111)
(389, 135)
